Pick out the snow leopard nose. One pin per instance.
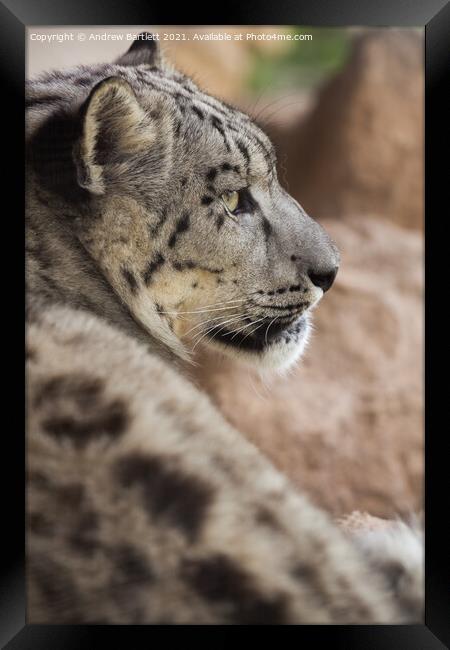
(318, 256)
(323, 278)
(315, 256)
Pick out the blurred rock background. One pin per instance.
(346, 114)
(345, 111)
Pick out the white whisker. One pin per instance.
(253, 331)
(268, 327)
(201, 311)
(218, 325)
(206, 322)
(248, 325)
(236, 317)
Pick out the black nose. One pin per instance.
(323, 279)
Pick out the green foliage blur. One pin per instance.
(303, 64)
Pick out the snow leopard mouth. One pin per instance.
(269, 332)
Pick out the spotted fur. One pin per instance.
(144, 505)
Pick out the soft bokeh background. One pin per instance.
(345, 111)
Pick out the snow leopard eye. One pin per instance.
(231, 201)
(237, 202)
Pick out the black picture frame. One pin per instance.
(434, 16)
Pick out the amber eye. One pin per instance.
(231, 200)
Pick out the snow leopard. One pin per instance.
(155, 221)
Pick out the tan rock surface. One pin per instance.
(360, 150)
(346, 424)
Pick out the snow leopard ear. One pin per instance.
(114, 127)
(144, 50)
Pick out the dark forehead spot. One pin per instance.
(153, 266)
(172, 240)
(185, 265)
(226, 167)
(211, 174)
(218, 125)
(130, 279)
(179, 98)
(162, 216)
(216, 122)
(207, 200)
(180, 499)
(267, 150)
(232, 127)
(267, 227)
(218, 579)
(183, 224)
(183, 181)
(187, 84)
(220, 221)
(210, 269)
(198, 112)
(244, 151)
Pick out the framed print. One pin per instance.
(228, 397)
